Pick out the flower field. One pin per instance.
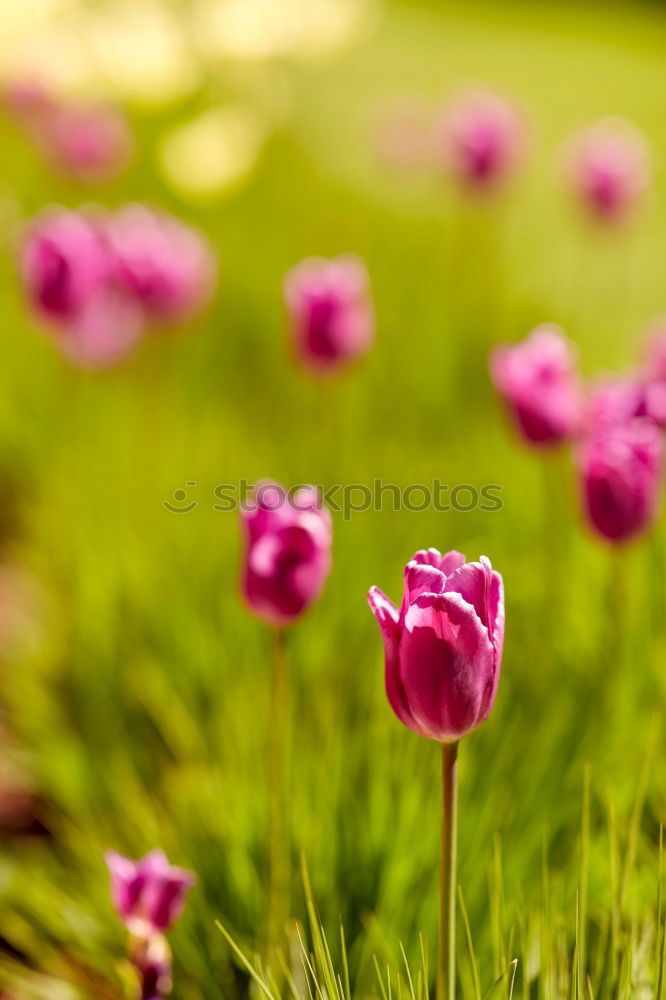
(291, 292)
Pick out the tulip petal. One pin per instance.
(497, 614)
(421, 578)
(447, 666)
(388, 620)
(451, 561)
(473, 582)
(428, 557)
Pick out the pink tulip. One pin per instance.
(615, 400)
(28, 100)
(443, 647)
(331, 317)
(655, 374)
(288, 556)
(609, 168)
(481, 139)
(91, 143)
(149, 895)
(70, 279)
(621, 471)
(65, 261)
(166, 265)
(539, 383)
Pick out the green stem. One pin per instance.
(278, 844)
(446, 970)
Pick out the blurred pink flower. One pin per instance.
(609, 168)
(655, 373)
(538, 380)
(149, 895)
(620, 465)
(27, 98)
(443, 647)
(288, 551)
(65, 259)
(615, 400)
(91, 143)
(168, 266)
(481, 139)
(71, 281)
(331, 317)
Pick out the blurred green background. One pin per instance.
(133, 682)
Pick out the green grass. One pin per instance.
(138, 701)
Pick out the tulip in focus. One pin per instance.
(443, 652)
(620, 466)
(538, 380)
(288, 556)
(481, 140)
(166, 265)
(609, 169)
(331, 317)
(443, 646)
(149, 895)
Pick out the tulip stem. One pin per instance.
(278, 844)
(446, 969)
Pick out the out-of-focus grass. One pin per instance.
(141, 708)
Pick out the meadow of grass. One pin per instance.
(135, 699)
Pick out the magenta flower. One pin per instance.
(481, 139)
(443, 647)
(91, 143)
(654, 374)
(149, 895)
(538, 380)
(166, 265)
(288, 554)
(620, 467)
(28, 99)
(609, 168)
(331, 317)
(70, 279)
(65, 260)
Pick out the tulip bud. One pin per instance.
(480, 139)
(288, 554)
(168, 266)
(149, 895)
(539, 383)
(609, 168)
(621, 470)
(443, 647)
(331, 318)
